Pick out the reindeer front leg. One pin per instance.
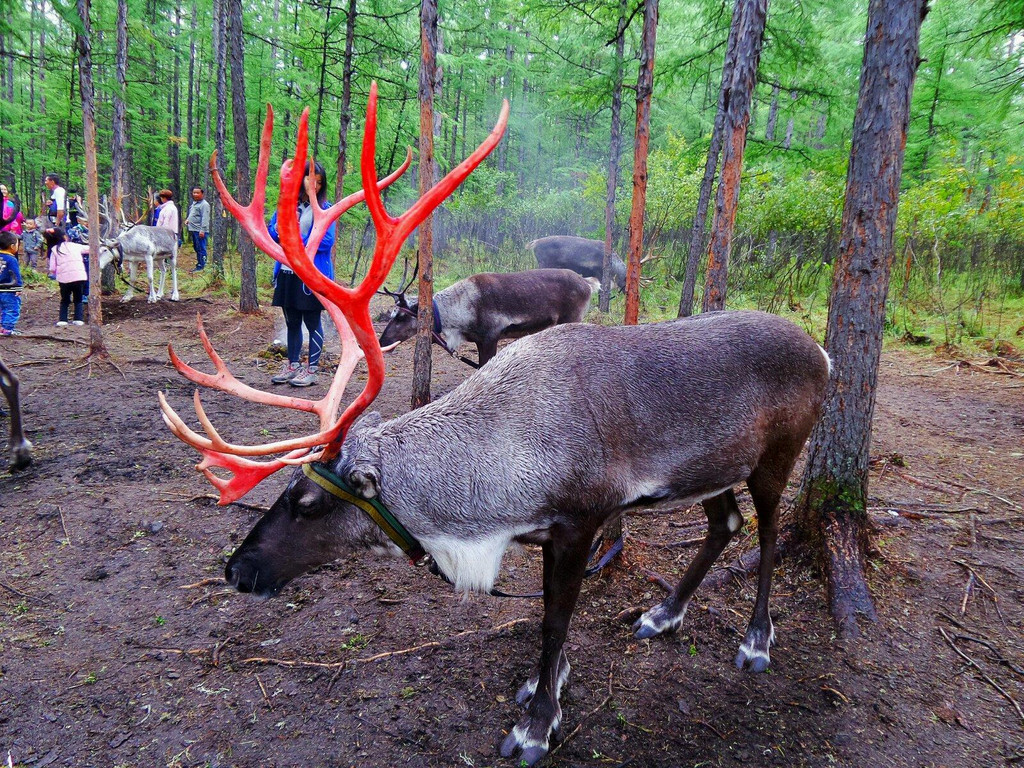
(174, 274)
(565, 560)
(131, 282)
(153, 295)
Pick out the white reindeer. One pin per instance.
(138, 244)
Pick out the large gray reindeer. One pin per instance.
(559, 433)
(140, 244)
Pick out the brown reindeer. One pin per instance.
(561, 432)
(491, 306)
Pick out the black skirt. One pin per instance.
(292, 293)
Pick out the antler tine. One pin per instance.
(348, 308)
(251, 216)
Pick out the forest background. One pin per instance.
(959, 272)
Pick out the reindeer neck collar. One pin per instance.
(387, 522)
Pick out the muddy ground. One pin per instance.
(120, 645)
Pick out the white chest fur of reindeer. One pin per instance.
(145, 245)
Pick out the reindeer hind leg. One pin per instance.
(163, 276)
(766, 484)
(724, 520)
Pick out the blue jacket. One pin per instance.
(322, 260)
(10, 272)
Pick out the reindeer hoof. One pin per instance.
(531, 750)
(753, 653)
(661, 619)
(174, 296)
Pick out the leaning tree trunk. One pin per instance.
(424, 339)
(644, 86)
(832, 510)
(82, 42)
(748, 20)
(614, 155)
(248, 302)
(700, 218)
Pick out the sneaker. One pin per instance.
(288, 372)
(6, 332)
(61, 323)
(306, 377)
(78, 322)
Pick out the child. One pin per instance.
(67, 267)
(10, 284)
(31, 240)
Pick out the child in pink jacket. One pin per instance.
(67, 267)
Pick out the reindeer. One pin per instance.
(561, 432)
(491, 306)
(137, 244)
(18, 445)
(578, 254)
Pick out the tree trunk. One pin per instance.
(428, 62)
(700, 218)
(614, 155)
(120, 163)
(773, 114)
(175, 145)
(749, 20)
(218, 226)
(84, 48)
(832, 510)
(192, 159)
(248, 302)
(322, 89)
(346, 103)
(644, 86)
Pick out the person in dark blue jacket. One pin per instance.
(297, 302)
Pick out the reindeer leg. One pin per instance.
(565, 560)
(765, 491)
(20, 447)
(174, 273)
(486, 349)
(131, 282)
(163, 277)
(153, 296)
(724, 519)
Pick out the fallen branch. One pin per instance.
(983, 674)
(379, 656)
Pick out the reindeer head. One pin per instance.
(347, 307)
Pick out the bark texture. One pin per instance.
(832, 511)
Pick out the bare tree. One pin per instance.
(248, 301)
(748, 21)
(644, 87)
(424, 339)
(832, 510)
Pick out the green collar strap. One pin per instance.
(330, 482)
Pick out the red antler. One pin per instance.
(348, 308)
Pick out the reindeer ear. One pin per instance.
(364, 480)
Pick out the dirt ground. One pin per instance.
(120, 644)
